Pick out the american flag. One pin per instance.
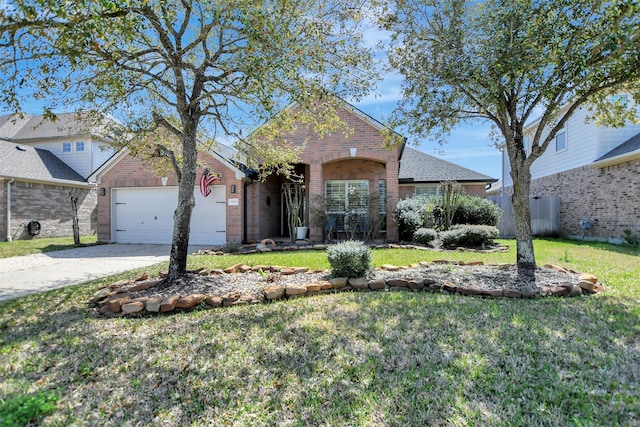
(206, 180)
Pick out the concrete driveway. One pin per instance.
(40, 272)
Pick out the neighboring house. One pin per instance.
(42, 162)
(36, 189)
(351, 175)
(595, 172)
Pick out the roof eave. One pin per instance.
(626, 157)
(60, 182)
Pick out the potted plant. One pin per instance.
(301, 229)
(294, 198)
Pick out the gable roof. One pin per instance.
(34, 164)
(627, 150)
(419, 167)
(16, 127)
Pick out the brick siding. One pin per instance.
(131, 172)
(610, 194)
(51, 206)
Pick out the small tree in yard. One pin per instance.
(191, 70)
(506, 61)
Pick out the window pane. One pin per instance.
(80, 146)
(561, 141)
(335, 196)
(426, 190)
(66, 147)
(382, 194)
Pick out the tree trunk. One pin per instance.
(525, 257)
(186, 201)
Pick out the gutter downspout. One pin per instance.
(11, 181)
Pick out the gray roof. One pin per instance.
(29, 163)
(16, 128)
(626, 147)
(416, 166)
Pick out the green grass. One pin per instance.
(37, 245)
(365, 359)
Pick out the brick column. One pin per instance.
(315, 189)
(393, 195)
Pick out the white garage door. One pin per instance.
(145, 215)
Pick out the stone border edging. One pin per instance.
(114, 300)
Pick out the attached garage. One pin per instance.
(145, 215)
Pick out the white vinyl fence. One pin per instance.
(545, 216)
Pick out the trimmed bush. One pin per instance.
(413, 213)
(349, 259)
(475, 210)
(469, 235)
(424, 236)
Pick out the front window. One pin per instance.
(561, 140)
(347, 200)
(80, 146)
(66, 147)
(427, 190)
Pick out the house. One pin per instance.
(595, 172)
(346, 178)
(43, 164)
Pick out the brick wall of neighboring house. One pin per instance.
(610, 194)
(50, 205)
(131, 172)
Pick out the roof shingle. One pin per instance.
(416, 166)
(25, 162)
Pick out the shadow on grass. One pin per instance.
(356, 359)
(621, 249)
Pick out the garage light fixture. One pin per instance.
(103, 191)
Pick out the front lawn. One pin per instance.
(394, 358)
(40, 245)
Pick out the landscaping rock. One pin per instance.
(588, 286)
(494, 293)
(189, 301)
(586, 277)
(229, 298)
(559, 291)
(287, 271)
(153, 304)
(293, 290)
(576, 291)
(213, 301)
(169, 303)
(512, 293)
(300, 270)
(233, 269)
(132, 307)
(389, 267)
(416, 284)
(101, 294)
(114, 304)
(325, 285)
(377, 285)
(143, 276)
(469, 290)
(528, 292)
(338, 282)
(313, 287)
(359, 284)
(398, 283)
(144, 284)
(449, 286)
(244, 268)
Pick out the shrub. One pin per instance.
(413, 213)
(476, 210)
(349, 259)
(469, 235)
(424, 236)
